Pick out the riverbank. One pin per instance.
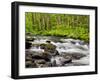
(80, 33)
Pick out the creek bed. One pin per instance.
(77, 49)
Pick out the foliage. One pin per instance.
(66, 25)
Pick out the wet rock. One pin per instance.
(67, 59)
(28, 53)
(43, 46)
(29, 38)
(60, 60)
(37, 57)
(48, 41)
(73, 55)
(28, 45)
(49, 48)
(35, 45)
(53, 53)
(44, 56)
(73, 42)
(34, 65)
(28, 58)
(28, 64)
(41, 61)
(28, 34)
(28, 41)
(42, 65)
(77, 56)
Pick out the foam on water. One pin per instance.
(70, 46)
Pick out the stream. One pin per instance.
(65, 46)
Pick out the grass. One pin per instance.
(69, 32)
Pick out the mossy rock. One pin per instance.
(42, 46)
(35, 45)
(50, 47)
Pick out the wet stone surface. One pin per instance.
(48, 51)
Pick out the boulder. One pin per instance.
(49, 48)
(28, 64)
(77, 56)
(43, 55)
(41, 61)
(73, 55)
(43, 46)
(60, 60)
(28, 58)
(28, 45)
(67, 59)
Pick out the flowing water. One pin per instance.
(65, 46)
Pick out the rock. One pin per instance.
(34, 65)
(30, 39)
(60, 60)
(73, 55)
(29, 34)
(57, 61)
(73, 42)
(28, 54)
(50, 47)
(48, 41)
(35, 45)
(28, 45)
(41, 61)
(46, 56)
(53, 53)
(28, 64)
(67, 59)
(77, 56)
(43, 55)
(28, 58)
(43, 46)
(44, 65)
(37, 57)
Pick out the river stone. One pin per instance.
(41, 61)
(43, 55)
(28, 64)
(77, 56)
(28, 58)
(47, 64)
(67, 59)
(50, 47)
(42, 46)
(28, 45)
(42, 65)
(29, 38)
(60, 60)
(73, 55)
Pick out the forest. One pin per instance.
(63, 25)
